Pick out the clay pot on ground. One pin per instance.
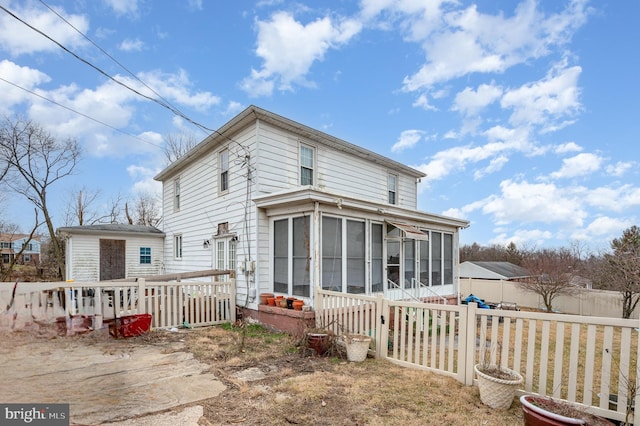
(319, 342)
(544, 411)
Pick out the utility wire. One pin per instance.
(104, 73)
(163, 104)
(78, 112)
(174, 108)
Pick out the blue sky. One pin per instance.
(524, 115)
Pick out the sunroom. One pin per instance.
(354, 246)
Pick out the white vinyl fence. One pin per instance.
(588, 360)
(171, 304)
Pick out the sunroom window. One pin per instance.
(291, 258)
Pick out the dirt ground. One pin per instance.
(275, 379)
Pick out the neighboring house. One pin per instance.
(290, 207)
(11, 244)
(493, 271)
(112, 251)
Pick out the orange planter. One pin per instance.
(298, 304)
(271, 301)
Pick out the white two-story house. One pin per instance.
(290, 207)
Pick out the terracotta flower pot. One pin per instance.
(319, 342)
(271, 301)
(264, 298)
(539, 411)
(297, 305)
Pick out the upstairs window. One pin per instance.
(176, 195)
(177, 246)
(306, 165)
(392, 183)
(145, 255)
(223, 161)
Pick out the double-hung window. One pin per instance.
(223, 164)
(176, 194)
(306, 164)
(392, 184)
(177, 246)
(145, 255)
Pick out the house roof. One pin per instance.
(492, 270)
(304, 195)
(16, 237)
(112, 228)
(253, 113)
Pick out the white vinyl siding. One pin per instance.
(335, 170)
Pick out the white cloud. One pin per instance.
(470, 102)
(18, 39)
(407, 139)
(568, 147)
(540, 202)
(603, 226)
(620, 168)
(423, 102)
(522, 238)
(289, 48)
(580, 165)
(23, 77)
(614, 199)
(132, 45)
(459, 42)
(543, 101)
(175, 86)
(123, 7)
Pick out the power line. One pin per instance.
(95, 67)
(78, 112)
(162, 103)
(115, 60)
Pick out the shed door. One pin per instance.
(112, 259)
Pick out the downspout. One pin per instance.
(316, 250)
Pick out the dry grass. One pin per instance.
(300, 388)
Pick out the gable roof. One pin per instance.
(254, 113)
(113, 228)
(492, 270)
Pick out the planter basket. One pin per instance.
(357, 347)
(498, 393)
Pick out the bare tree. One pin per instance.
(82, 210)
(146, 210)
(622, 269)
(37, 161)
(176, 145)
(552, 271)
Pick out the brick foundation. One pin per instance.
(282, 320)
